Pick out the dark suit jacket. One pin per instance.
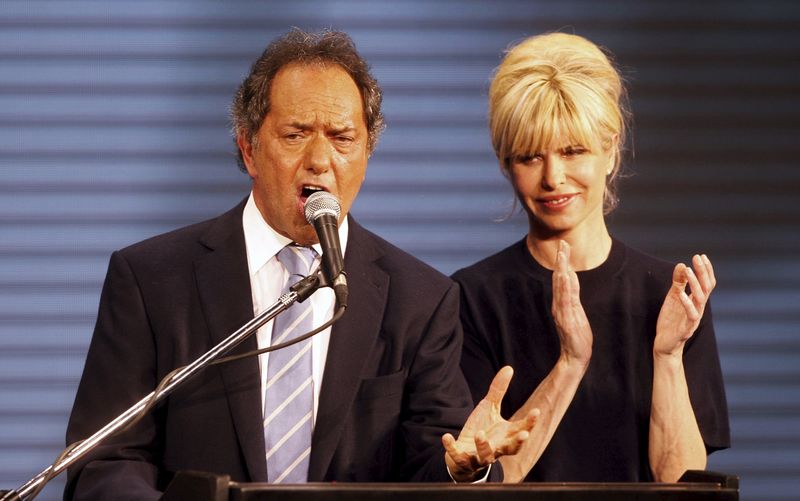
(391, 387)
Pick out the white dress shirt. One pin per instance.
(267, 278)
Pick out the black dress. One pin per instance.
(506, 313)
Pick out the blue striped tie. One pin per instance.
(289, 399)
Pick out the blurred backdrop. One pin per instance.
(113, 128)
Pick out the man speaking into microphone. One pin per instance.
(378, 397)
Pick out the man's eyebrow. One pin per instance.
(341, 130)
(332, 130)
(300, 125)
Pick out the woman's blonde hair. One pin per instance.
(553, 87)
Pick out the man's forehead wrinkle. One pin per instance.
(328, 101)
(332, 103)
(308, 119)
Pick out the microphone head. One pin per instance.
(320, 203)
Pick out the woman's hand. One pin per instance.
(486, 436)
(572, 326)
(681, 312)
(675, 442)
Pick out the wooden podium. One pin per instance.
(693, 486)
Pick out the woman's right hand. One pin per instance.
(574, 331)
(553, 395)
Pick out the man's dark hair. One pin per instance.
(251, 102)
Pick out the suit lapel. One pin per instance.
(352, 338)
(223, 284)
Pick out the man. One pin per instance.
(385, 389)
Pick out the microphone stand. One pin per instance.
(298, 292)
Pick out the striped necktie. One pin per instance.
(289, 398)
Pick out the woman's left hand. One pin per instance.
(681, 312)
(486, 436)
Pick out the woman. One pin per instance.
(609, 344)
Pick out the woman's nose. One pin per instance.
(553, 174)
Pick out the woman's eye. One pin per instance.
(574, 150)
(527, 159)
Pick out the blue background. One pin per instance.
(113, 128)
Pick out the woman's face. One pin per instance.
(562, 188)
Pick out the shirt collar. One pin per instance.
(263, 242)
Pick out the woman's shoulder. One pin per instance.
(643, 274)
(504, 262)
(641, 262)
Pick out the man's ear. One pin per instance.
(246, 147)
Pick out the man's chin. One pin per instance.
(304, 236)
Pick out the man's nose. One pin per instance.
(319, 154)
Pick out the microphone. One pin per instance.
(322, 211)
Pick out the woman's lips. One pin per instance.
(557, 202)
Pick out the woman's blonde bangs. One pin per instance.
(533, 117)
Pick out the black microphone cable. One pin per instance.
(151, 403)
(324, 206)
